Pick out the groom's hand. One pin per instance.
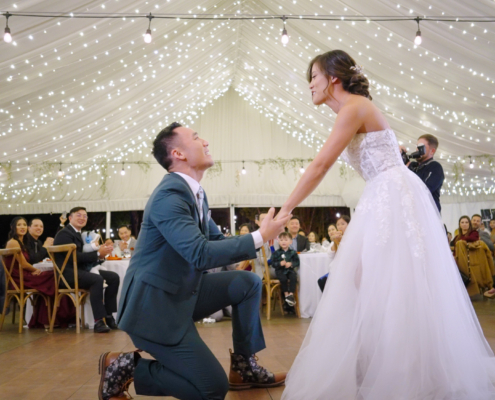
(270, 228)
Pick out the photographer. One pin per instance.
(428, 170)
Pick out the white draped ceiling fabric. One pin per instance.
(91, 95)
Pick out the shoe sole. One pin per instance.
(245, 386)
(101, 372)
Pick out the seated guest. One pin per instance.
(302, 233)
(474, 259)
(336, 236)
(108, 242)
(78, 218)
(35, 247)
(34, 278)
(335, 232)
(299, 242)
(259, 262)
(492, 230)
(466, 232)
(126, 240)
(244, 229)
(285, 261)
(484, 235)
(313, 238)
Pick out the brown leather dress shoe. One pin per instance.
(116, 374)
(245, 373)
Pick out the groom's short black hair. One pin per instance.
(163, 144)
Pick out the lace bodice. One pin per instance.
(373, 152)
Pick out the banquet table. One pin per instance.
(117, 266)
(312, 267)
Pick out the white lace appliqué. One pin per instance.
(376, 157)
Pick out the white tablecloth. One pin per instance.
(117, 266)
(313, 266)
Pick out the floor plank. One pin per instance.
(63, 365)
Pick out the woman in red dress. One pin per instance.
(34, 278)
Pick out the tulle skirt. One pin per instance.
(395, 321)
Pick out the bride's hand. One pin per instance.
(282, 214)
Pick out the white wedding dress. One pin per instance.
(395, 321)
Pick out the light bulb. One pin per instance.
(337, 215)
(471, 165)
(122, 172)
(417, 39)
(302, 170)
(244, 172)
(60, 173)
(285, 37)
(147, 36)
(7, 37)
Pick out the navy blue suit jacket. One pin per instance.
(173, 250)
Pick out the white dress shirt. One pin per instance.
(194, 185)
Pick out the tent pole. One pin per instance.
(107, 228)
(232, 220)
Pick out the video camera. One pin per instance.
(417, 154)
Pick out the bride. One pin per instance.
(395, 321)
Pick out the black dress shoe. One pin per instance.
(111, 323)
(101, 327)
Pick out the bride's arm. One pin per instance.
(346, 125)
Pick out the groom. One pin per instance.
(166, 288)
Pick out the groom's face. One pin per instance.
(193, 149)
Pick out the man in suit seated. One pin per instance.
(126, 241)
(166, 288)
(299, 242)
(78, 218)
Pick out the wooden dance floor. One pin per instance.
(63, 365)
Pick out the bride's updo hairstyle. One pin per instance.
(341, 65)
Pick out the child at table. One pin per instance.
(285, 261)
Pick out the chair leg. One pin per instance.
(78, 313)
(48, 302)
(296, 295)
(83, 322)
(268, 302)
(21, 312)
(13, 311)
(281, 302)
(56, 302)
(5, 305)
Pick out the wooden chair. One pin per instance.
(18, 292)
(245, 264)
(272, 287)
(78, 296)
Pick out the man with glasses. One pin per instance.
(103, 306)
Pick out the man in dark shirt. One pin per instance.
(35, 247)
(299, 242)
(429, 170)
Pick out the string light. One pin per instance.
(147, 35)
(302, 170)
(297, 118)
(123, 170)
(244, 172)
(60, 172)
(417, 39)
(471, 163)
(285, 37)
(7, 37)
